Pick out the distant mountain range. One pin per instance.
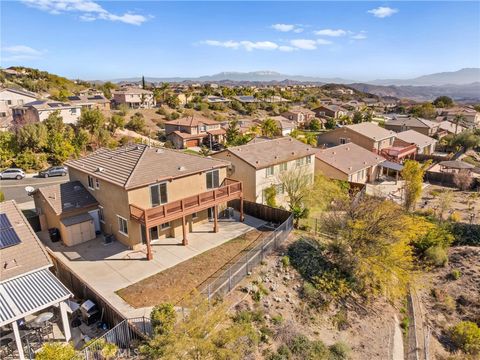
(460, 77)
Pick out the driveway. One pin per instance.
(108, 268)
(15, 189)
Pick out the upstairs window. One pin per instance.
(270, 171)
(308, 160)
(91, 182)
(122, 225)
(213, 179)
(158, 194)
(283, 166)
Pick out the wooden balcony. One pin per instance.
(229, 190)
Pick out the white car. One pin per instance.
(12, 173)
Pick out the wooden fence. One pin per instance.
(260, 211)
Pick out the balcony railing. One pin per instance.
(229, 190)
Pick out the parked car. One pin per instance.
(12, 173)
(53, 171)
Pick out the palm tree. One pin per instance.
(269, 128)
(459, 118)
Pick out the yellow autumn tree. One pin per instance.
(413, 173)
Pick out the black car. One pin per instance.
(53, 171)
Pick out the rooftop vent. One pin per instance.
(99, 169)
(159, 151)
(77, 188)
(349, 168)
(10, 264)
(67, 205)
(181, 168)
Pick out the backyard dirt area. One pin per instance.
(368, 329)
(176, 282)
(464, 203)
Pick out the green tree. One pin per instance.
(297, 184)
(357, 117)
(80, 141)
(413, 173)
(270, 194)
(136, 123)
(116, 122)
(143, 82)
(466, 336)
(163, 319)
(269, 128)
(8, 148)
(56, 351)
(443, 102)
(315, 125)
(91, 120)
(331, 123)
(425, 110)
(32, 136)
(107, 89)
(60, 149)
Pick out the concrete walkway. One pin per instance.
(108, 268)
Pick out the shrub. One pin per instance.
(247, 317)
(405, 324)
(436, 256)
(455, 274)
(466, 336)
(277, 319)
(136, 123)
(339, 351)
(340, 320)
(56, 351)
(163, 318)
(285, 261)
(455, 217)
(466, 234)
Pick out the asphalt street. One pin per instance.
(15, 189)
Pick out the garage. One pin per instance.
(77, 229)
(192, 142)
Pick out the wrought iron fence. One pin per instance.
(227, 280)
(126, 336)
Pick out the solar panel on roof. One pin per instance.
(74, 98)
(8, 235)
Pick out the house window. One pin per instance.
(101, 216)
(212, 179)
(97, 183)
(122, 225)
(73, 111)
(308, 160)
(299, 162)
(343, 141)
(283, 166)
(91, 182)
(154, 233)
(270, 171)
(279, 189)
(165, 225)
(194, 215)
(203, 128)
(3, 114)
(158, 194)
(9, 102)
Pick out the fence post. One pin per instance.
(230, 279)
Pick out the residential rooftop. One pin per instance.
(21, 251)
(371, 131)
(261, 153)
(411, 122)
(414, 137)
(138, 165)
(349, 158)
(192, 121)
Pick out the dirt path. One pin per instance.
(397, 346)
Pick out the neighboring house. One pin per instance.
(259, 163)
(301, 116)
(244, 125)
(245, 99)
(425, 144)
(471, 117)
(211, 99)
(389, 103)
(333, 111)
(371, 102)
(15, 97)
(450, 127)
(27, 286)
(285, 125)
(348, 162)
(40, 110)
(134, 98)
(403, 123)
(145, 193)
(6, 117)
(367, 135)
(182, 97)
(354, 104)
(71, 209)
(90, 101)
(193, 131)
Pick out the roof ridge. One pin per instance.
(136, 165)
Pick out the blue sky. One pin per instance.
(356, 40)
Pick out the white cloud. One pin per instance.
(330, 32)
(304, 44)
(286, 48)
(323, 42)
(382, 11)
(226, 44)
(287, 28)
(259, 45)
(89, 10)
(20, 52)
(362, 35)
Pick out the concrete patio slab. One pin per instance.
(108, 268)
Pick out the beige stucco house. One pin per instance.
(348, 162)
(40, 110)
(10, 98)
(193, 131)
(258, 165)
(404, 123)
(135, 98)
(145, 193)
(425, 144)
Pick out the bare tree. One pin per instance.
(297, 184)
(462, 179)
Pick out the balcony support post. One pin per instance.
(184, 231)
(242, 217)
(147, 237)
(215, 218)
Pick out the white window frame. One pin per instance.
(213, 178)
(308, 159)
(283, 167)
(270, 171)
(91, 179)
(119, 218)
(168, 226)
(343, 141)
(194, 215)
(159, 193)
(97, 183)
(101, 214)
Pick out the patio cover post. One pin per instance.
(65, 322)
(184, 231)
(215, 218)
(18, 340)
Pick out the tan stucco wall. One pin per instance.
(323, 168)
(334, 136)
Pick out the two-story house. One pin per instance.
(9, 98)
(367, 135)
(145, 193)
(134, 98)
(259, 163)
(333, 111)
(348, 162)
(40, 110)
(404, 123)
(425, 144)
(98, 101)
(301, 116)
(194, 130)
